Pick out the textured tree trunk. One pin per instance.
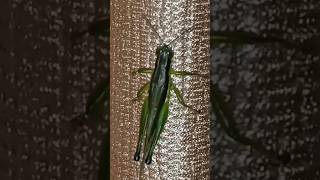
(183, 149)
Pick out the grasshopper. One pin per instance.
(155, 108)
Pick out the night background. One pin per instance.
(54, 78)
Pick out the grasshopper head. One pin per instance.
(165, 49)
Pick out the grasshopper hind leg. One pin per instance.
(143, 120)
(180, 97)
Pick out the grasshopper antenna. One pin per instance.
(152, 27)
(182, 34)
(154, 30)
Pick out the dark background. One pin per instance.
(48, 70)
(54, 62)
(270, 81)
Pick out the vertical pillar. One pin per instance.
(183, 149)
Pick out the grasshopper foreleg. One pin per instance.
(185, 73)
(143, 71)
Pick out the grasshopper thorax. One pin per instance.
(164, 55)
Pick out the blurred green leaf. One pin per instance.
(240, 37)
(225, 117)
(98, 97)
(98, 27)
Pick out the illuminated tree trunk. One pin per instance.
(183, 148)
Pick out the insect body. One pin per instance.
(155, 109)
(156, 106)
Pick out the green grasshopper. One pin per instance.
(155, 108)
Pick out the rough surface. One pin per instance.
(272, 89)
(46, 75)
